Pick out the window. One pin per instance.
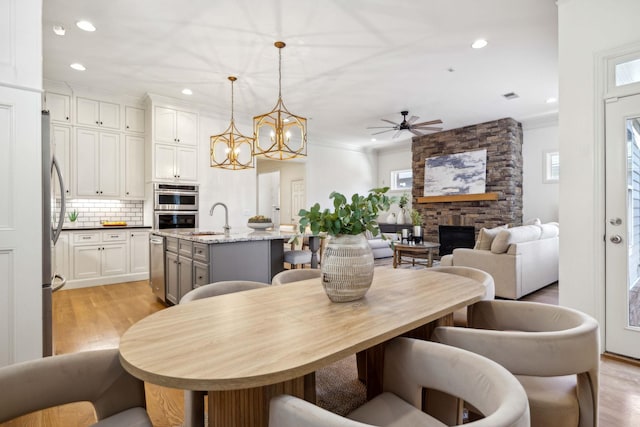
(628, 72)
(551, 167)
(401, 179)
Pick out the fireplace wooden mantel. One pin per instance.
(458, 198)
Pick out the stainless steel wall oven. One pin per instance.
(175, 206)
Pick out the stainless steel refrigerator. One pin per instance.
(52, 220)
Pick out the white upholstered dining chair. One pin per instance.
(288, 276)
(409, 366)
(117, 397)
(194, 400)
(460, 316)
(553, 351)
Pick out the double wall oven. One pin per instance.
(175, 206)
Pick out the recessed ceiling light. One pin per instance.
(479, 44)
(187, 91)
(77, 66)
(86, 25)
(59, 30)
(551, 100)
(373, 140)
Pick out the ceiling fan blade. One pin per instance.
(380, 127)
(378, 133)
(426, 128)
(389, 121)
(397, 134)
(412, 119)
(431, 122)
(415, 132)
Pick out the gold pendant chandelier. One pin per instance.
(231, 149)
(280, 134)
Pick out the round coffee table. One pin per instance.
(421, 251)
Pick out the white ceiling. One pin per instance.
(347, 64)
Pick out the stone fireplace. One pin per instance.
(503, 141)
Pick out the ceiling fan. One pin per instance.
(414, 128)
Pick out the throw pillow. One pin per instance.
(486, 236)
(505, 238)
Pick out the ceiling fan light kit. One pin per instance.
(231, 149)
(415, 128)
(280, 134)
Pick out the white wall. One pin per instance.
(389, 159)
(236, 189)
(539, 199)
(289, 171)
(332, 169)
(586, 28)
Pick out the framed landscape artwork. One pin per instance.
(462, 173)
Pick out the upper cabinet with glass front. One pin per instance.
(91, 112)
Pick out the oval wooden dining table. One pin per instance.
(248, 346)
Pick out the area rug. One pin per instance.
(338, 389)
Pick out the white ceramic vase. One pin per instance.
(347, 267)
(401, 217)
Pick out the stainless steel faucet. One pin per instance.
(226, 228)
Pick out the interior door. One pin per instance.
(622, 239)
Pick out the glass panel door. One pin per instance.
(622, 335)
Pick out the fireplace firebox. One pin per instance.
(455, 236)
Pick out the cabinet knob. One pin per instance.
(67, 118)
(97, 122)
(97, 192)
(100, 122)
(127, 126)
(127, 193)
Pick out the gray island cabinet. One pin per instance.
(193, 259)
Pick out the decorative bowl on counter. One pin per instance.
(259, 225)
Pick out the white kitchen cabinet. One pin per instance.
(61, 264)
(59, 107)
(133, 119)
(99, 253)
(175, 127)
(139, 252)
(97, 165)
(91, 112)
(133, 167)
(61, 138)
(100, 257)
(175, 163)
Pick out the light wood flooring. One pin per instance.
(94, 318)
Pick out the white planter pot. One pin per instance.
(401, 217)
(347, 267)
(417, 231)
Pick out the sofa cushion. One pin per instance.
(486, 236)
(520, 234)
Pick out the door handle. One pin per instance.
(616, 238)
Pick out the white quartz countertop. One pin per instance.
(201, 236)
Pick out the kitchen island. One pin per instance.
(195, 257)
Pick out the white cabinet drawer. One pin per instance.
(88, 238)
(114, 236)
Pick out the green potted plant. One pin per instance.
(73, 217)
(347, 263)
(402, 203)
(416, 220)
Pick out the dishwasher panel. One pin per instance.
(156, 266)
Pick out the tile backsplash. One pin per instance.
(91, 213)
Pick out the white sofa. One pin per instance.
(520, 259)
(381, 247)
